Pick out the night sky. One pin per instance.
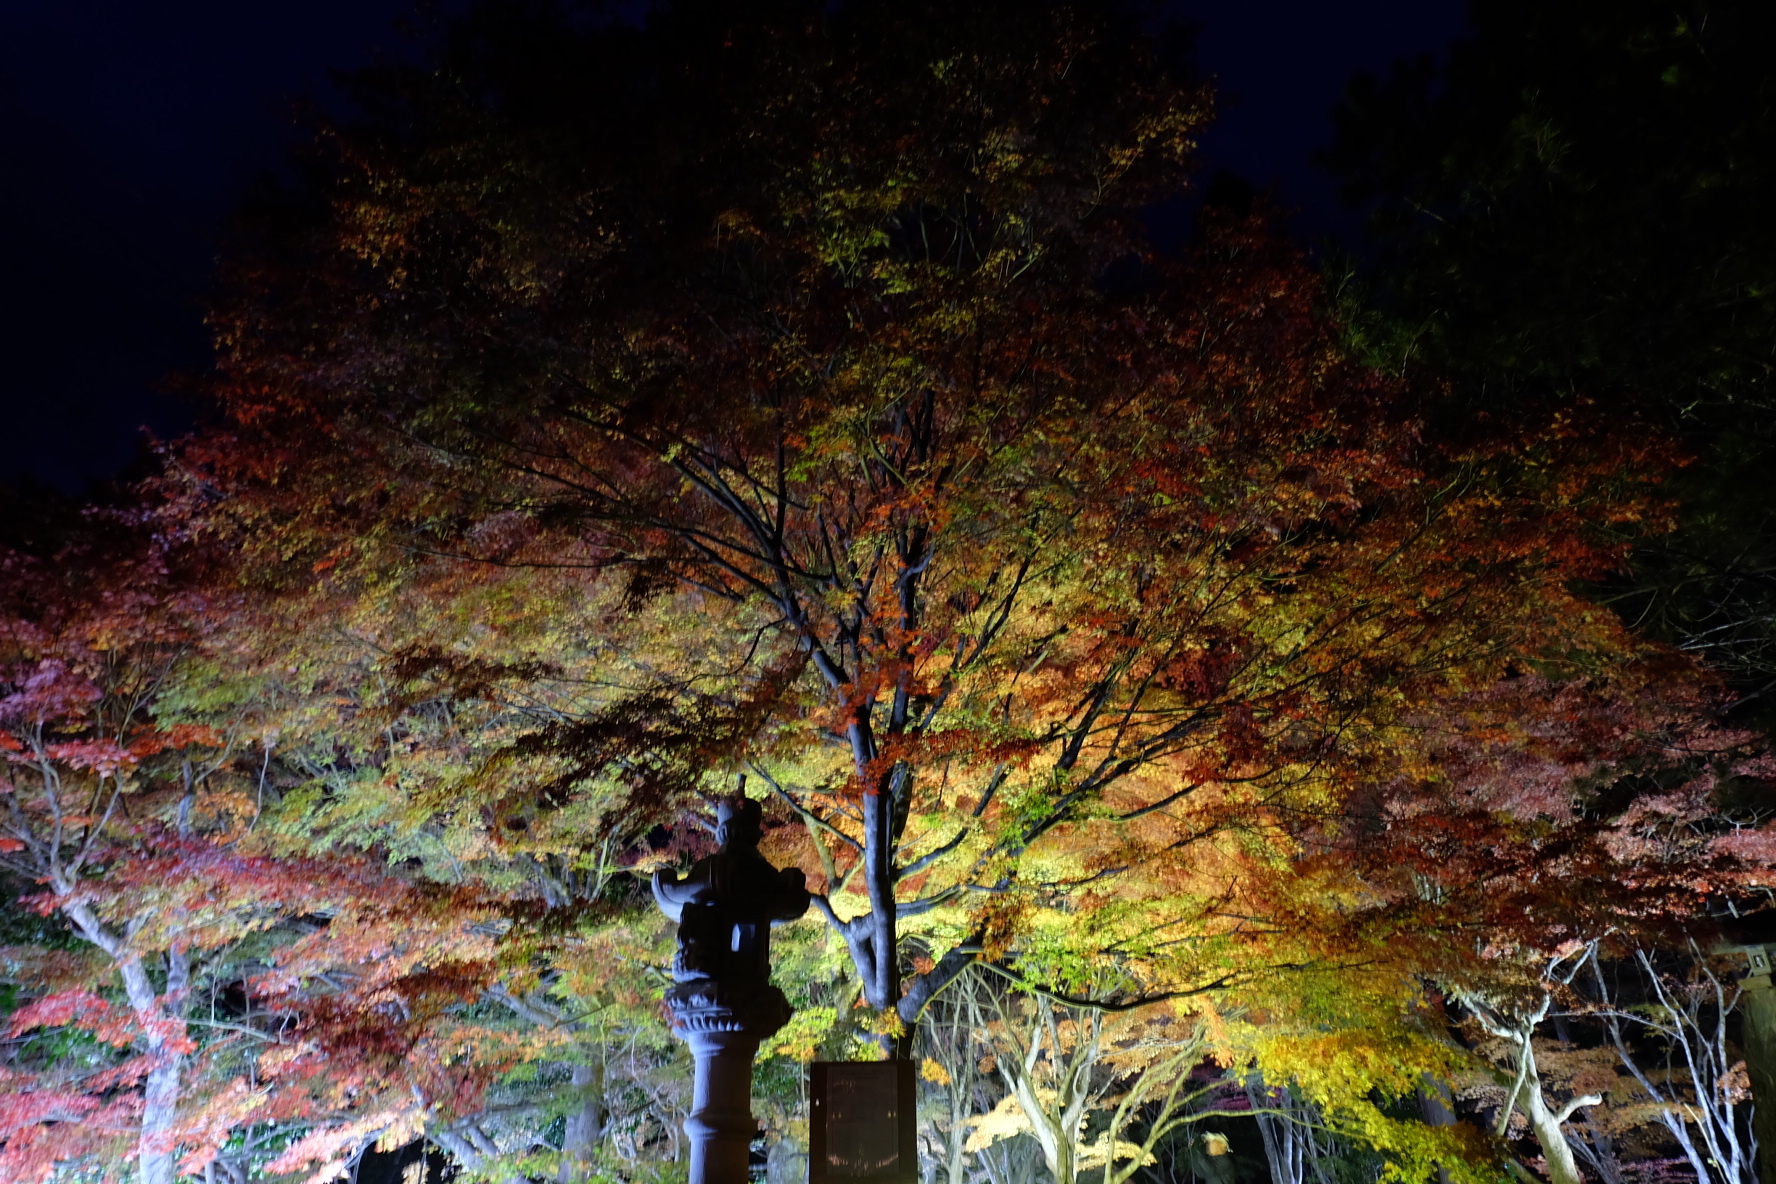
(132, 129)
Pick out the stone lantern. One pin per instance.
(722, 1001)
(1757, 1007)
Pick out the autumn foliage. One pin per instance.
(1101, 635)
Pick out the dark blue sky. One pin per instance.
(132, 127)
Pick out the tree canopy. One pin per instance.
(792, 397)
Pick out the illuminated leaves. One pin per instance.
(49, 693)
(1115, 633)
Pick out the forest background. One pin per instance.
(1240, 714)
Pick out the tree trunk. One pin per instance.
(881, 986)
(156, 1156)
(1526, 1090)
(1546, 1124)
(473, 1149)
(1057, 1144)
(1543, 1121)
(162, 1022)
(1282, 1147)
(1436, 1107)
(585, 1126)
(1055, 1125)
(459, 1147)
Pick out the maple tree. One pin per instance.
(1530, 839)
(1011, 555)
(192, 1002)
(557, 998)
(89, 769)
(1573, 202)
(794, 393)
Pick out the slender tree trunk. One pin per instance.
(1436, 1107)
(161, 1018)
(1056, 1142)
(459, 1147)
(1546, 1124)
(159, 1111)
(472, 1149)
(1526, 1090)
(1282, 1146)
(956, 1055)
(585, 1126)
(878, 966)
(956, 1151)
(1055, 1123)
(157, 1158)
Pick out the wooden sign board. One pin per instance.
(862, 1125)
